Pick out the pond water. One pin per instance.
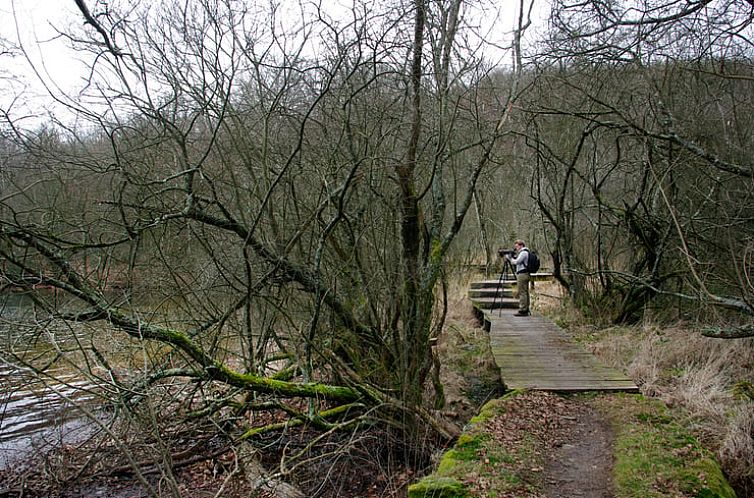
(50, 369)
(37, 408)
(35, 417)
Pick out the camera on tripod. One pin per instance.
(506, 252)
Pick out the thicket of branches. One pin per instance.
(638, 123)
(254, 211)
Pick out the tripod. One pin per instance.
(506, 271)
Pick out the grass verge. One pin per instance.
(489, 461)
(655, 453)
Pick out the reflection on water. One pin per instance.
(33, 406)
(36, 410)
(34, 415)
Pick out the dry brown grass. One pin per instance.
(548, 297)
(737, 449)
(696, 374)
(459, 307)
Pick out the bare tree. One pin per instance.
(646, 149)
(269, 204)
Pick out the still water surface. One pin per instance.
(37, 410)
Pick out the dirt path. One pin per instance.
(541, 445)
(582, 465)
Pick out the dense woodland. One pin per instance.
(252, 216)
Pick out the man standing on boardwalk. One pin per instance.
(520, 261)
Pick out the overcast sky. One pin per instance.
(33, 22)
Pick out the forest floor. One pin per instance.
(579, 465)
(572, 457)
(525, 444)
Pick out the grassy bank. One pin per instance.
(703, 382)
(656, 454)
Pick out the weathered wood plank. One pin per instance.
(534, 353)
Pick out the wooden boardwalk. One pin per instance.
(534, 353)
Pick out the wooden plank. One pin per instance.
(521, 376)
(534, 353)
(569, 388)
(492, 282)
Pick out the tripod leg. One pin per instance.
(508, 272)
(498, 289)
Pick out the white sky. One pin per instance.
(46, 57)
(31, 22)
